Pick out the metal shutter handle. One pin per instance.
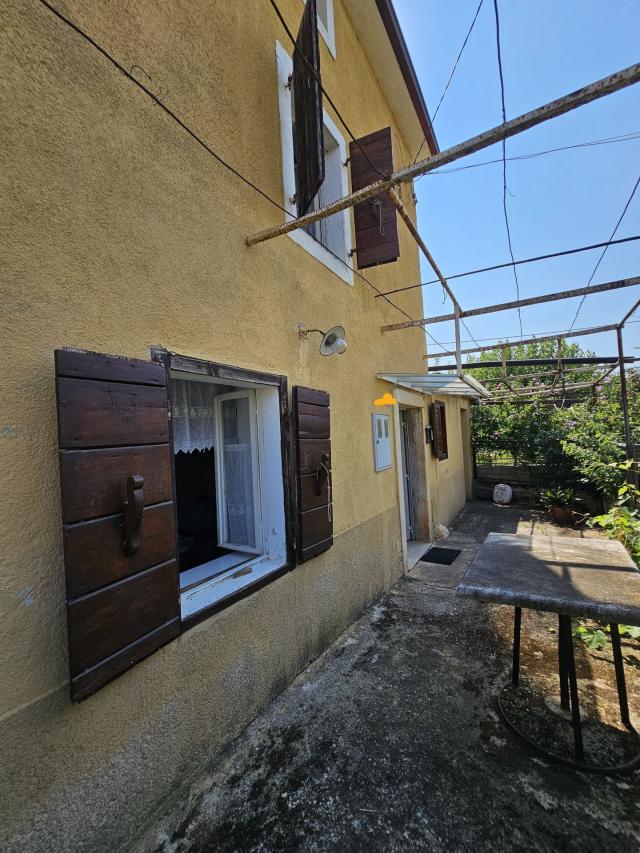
(133, 508)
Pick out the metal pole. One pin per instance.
(601, 88)
(540, 339)
(456, 309)
(520, 303)
(532, 362)
(422, 245)
(628, 437)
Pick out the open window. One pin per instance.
(330, 239)
(326, 25)
(179, 486)
(230, 496)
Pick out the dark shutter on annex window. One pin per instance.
(117, 512)
(439, 426)
(312, 425)
(376, 220)
(308, 135)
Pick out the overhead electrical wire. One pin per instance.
(504, 160)
(381, 174)
(523, 261)
(604, 251)
(453, 71)
(293, 41)
(632, 136)
(156, 99)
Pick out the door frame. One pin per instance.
(416, 403)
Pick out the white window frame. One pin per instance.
(221, 491)
(386, 429)
(270, 515)
(306, 241)
(328, 29)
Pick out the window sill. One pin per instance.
(200, 575)
(202, 601)
(318, 251)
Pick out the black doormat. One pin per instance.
(442, 556)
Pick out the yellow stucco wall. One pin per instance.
(445, 478)
(119, 233)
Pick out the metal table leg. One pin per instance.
(565, 641)
(620, 682)
(569, 697)
(562, 671)
(515, 670)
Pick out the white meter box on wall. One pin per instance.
(381, 442)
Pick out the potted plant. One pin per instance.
(557, 501)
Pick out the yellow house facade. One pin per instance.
(123, 233)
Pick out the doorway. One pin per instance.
(411, 467)
(467, 457)
(406, 456)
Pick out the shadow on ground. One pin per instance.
(390, 741)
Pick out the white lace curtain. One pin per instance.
(192, 412)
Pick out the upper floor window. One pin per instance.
(328, 240)
(326, 26)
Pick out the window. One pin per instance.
(381, 442)
(229, 486)
(439, 425)
(329, 240)
(176, 477)
(326, 26)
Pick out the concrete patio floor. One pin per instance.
(390, 741)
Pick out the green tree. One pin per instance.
(561, 444)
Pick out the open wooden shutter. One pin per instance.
(311, 416)
(117, 512)
(439, 426)
(308, 136)
(376, 221)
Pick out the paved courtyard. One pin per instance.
(391, 741)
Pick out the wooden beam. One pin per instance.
(522, 303)
(592, 331)
(592, 92)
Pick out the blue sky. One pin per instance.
(555, 202)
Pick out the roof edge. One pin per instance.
(399, 45)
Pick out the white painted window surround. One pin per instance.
(326, 25)
(336, 182)
(381, 442)
(203, 589)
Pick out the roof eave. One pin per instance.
(394, 33)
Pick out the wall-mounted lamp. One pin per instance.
(333, 341)
(387, 399)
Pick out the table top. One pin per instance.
(579, 577)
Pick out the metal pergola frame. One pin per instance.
(601, 88)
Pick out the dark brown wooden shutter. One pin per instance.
(308, 135)
(312, 425)
(439, 426)
(376, 221)
(122, 596)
